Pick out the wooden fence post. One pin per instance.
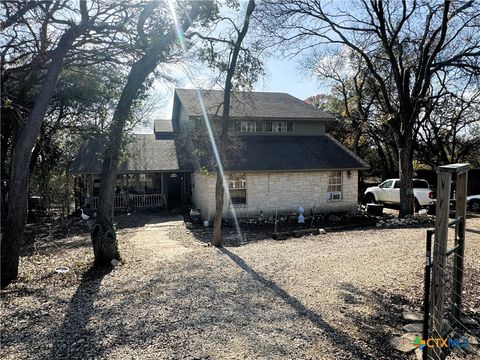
(440, 249)
(460, 211)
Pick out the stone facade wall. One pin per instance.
(282, 192)
(203, 192)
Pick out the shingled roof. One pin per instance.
(144, 154)
(259, 105)
(288, 153)
(163, 126)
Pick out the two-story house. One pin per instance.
(279, 156)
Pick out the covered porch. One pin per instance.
(164, 190)
(150, 176)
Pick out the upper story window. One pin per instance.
(246, 126)
(279, 126)
(249, 126)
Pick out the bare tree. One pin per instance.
(159, 45)
(448, 132)
(225, 53)
(225, 125)
(350, 82)
(403, 46)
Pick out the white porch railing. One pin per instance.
(134, 200)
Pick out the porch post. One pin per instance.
(137, 182)
(165, 188)
(182, 186)
(90, 185)
(75, 192)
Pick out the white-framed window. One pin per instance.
(279, 126)
(335, 186)
(146, 182)
(246, 126)
(126, 182)
(237, 185)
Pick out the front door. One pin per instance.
(174, 189)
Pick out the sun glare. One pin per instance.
(206, 119)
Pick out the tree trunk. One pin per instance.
(219, 199)
(406, 176)
(27, 136)
(105, 247)
(217, 239)
(104, 240)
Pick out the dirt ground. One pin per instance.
(338, 295)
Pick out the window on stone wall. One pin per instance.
(237, 185)
(335, 186)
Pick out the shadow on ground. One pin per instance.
(341, 339)
(208, 303)
(78, 314)
(197, 309)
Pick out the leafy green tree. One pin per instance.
(41, 39)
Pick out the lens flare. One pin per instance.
(178, 27)
(206, 120)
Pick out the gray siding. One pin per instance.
(300, 127)
(308, 128)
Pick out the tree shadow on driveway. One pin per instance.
(72, 338)
(339, 338)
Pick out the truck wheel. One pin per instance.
(370, 198)
(474, 206)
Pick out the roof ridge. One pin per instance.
(242, 91)
(255, 104)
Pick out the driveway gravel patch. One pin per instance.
(333, 296)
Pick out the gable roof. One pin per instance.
(288, 153)
(144, 154)
(259, 105)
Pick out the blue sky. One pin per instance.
(285, 76)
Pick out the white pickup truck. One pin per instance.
(388, 192)
(473, 203)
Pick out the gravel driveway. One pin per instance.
(333, 296)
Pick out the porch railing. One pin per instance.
(133, 200)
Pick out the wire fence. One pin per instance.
(457, 331)
(450, 329)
